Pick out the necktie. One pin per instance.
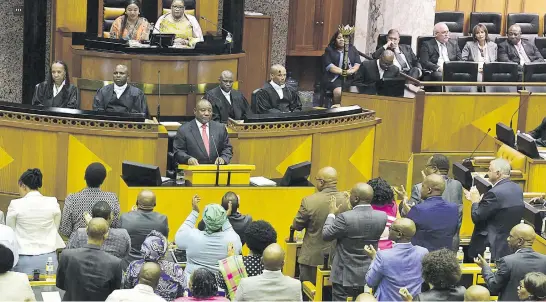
(205, 138)
(401, 61)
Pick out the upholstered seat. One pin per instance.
(190, 7)
(460, 72)
(112, 10)
(453, 20)
(515, 158)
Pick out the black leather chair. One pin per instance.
(493, 22)
(535, 72)
(453, 20)
(500, 39)
(500, 72)
(420, 41)
(460, 72)
(527, 22)
(253, 100)
(462, 41)
(112, 10)
(189, 4)
(382, 40)
(540, 43)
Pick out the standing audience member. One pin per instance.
(272, 285)
(13, 286)
(227, 102)
(206, 248)
(404, 57)
(172, 282)
(57, 91)
(203, 287)
(481, 49)
(35, 219)
(8, 239)
(435, 218)
(383, 200)
(353, 230)
(442, 272)
(238, 221)
(142, 221)
(496, 212)
(311, 217)
(118, 242)
(89, 274)
(275, 96)
(512, 268)
(148, 280)
(477, 293)
(532, 287)
(518, 50)
(398, 267)
(75, 205)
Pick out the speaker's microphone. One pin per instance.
(527, 99)
(467, 162)
(217, 156)
(158, 115)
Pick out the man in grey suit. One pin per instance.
(439, 164)
(202, 141)
(142, 221)
(271, 285)
(89, 274)
(512, 268)
(353, 230)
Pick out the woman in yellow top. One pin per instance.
(130, 26)
(187, 29)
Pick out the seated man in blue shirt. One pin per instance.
(435, 218)
(397, 267)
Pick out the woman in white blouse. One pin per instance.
(481, 50)
(13, 286)
(35, 219)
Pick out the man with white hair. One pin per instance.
(496, 212)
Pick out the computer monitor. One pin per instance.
(140, 175)
(527, 146)
(482, 185)
(506, 135)
(162, 40)
(391, 87)
(296, 175)
(463, 175)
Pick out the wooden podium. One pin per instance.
(219, 175)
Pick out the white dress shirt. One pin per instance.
(140, 292)
(118, 90)
(444, 56)
(278, 89)
(227, 95)
(15, 287)
(381, 71)
(57, 90)
(199, 126)
(35, 219)
(7, 239)
(523, 58)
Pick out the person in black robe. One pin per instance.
(275, 96)
(57, 90)
(121, 96)
(227, 102)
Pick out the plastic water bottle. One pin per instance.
(487, 255)
(460, 255)
(50, 269)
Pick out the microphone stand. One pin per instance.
(216, 160)
(158, 115)
(229, 36)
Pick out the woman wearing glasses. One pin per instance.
(184, 26)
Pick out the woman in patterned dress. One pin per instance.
(130, 26)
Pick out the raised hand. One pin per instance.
(195, 203)
(334, 208)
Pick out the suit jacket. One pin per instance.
(222, 110)
(189, 143)
(311, 217)
(451, 294)
(539, 133)
(88, 274)
(406, 50)
(332, 56)
(511, 270)
(269, 286)
(500, 209)
(353, 230)
(507, 52)
(430, 53)
(139, 224)
(368, 75)
(471, 51)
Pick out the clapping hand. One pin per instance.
(370, 250)
(400, 192)
(334, 208)
(195, 203)
(480, 261)
(473, 195)
(405, 294)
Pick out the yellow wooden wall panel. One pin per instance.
(209, 10)
(71, 14)
(446, 5)
(536, 111)
(536, 7)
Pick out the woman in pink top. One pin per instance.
(203, 287)
(383, 200)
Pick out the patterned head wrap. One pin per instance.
(154, 247)
(214, 217)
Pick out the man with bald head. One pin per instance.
(436, 219)
(433, 53)
(88, 273)
(477, 293)
(373, 72)
(511, 269)
(518, 50)
(275, 96)
(311, 216)
(202, 140)
(397, 267)
(271, 285)
(148, 279)
(141, 221)
(227, 102)
(120, 96)
(353, 230)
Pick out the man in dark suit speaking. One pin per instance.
(202, 141)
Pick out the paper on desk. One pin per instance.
(51, 297)
(170, 123)
(261, 181)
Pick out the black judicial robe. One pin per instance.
(68, 97)
(222, 110)
(268, 101)
(132, 100)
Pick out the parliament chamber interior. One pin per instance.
(276, 126)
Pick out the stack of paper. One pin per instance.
(261, 181)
